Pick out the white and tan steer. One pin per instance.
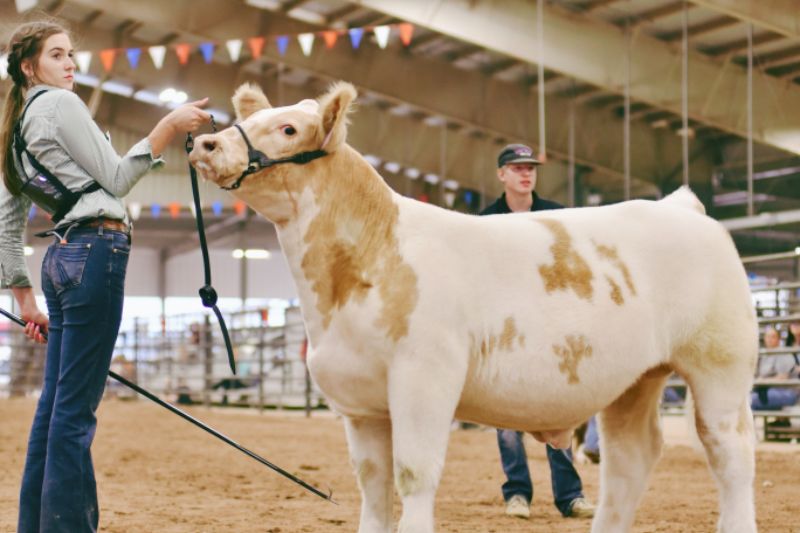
(532, 321)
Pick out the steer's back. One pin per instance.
(574, 301)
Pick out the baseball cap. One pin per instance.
(516, 153)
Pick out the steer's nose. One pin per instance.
(209, 145)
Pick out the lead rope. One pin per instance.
(207, 293)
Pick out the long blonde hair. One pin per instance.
(25, 45)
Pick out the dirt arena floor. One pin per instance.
(157, 473)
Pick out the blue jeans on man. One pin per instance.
(83, 282)
(567, 486)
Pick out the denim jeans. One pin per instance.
(83, 282)
(773, 398)
(591, 442)
(566, 482)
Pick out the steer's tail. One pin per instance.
(686, 198)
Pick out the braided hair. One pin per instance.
(25, 45)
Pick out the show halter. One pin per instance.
(258, 160)
(207, 293)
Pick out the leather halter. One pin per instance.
(258, 160)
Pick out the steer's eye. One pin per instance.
(288, 130)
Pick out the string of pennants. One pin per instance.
(175, 209)
(183, 51)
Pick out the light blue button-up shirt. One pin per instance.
(63, 137)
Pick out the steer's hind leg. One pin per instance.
(630, 444)
(422, 402)
(725, 427)
(370, 444)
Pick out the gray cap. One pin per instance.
(516, 153)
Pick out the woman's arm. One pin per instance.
(36, 321)
(88, 147)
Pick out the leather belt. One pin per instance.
(114, 225)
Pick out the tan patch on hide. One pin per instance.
(489, 344)
(406, 480)
(610, 253)
(658, 371)
(569, 270)
(508, 334)
(616, 292)
(521, 340)
(366, 470)
(745, 421)
(724, 426)
(575, 349)
(352, 245)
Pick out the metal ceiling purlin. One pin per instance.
(434, 87)
(780, 16)
(590, 51)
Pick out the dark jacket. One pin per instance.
(500, 206)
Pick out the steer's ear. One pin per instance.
(248, 99)
(333, 109)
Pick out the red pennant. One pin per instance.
(330, 37)
(265, 316)
(256, 46)
(423, 198)
(239, 207)
(406, 31)
(107, 58)
(183, 51)
(174, 209)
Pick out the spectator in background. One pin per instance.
(516, 170)
(777, 366)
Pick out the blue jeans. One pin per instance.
(773, 398)
(591, 442)
(563, 476)
(83, 282)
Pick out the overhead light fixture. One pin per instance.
(28, 251)
(431, 178)
(392, 166)
(251, 253)
(115, 87)
(173, 96)
(373, 160)
(412, 173)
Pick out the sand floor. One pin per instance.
(157, 473)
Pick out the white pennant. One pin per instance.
(135, 209)
(83, 59)
(382, 35)
(306, 42)
(157, 54)
(3, 66)
(449, 198)
(234, 49)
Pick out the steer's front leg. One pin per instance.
(370, 443)
(422, 402)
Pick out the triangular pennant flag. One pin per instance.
(155, 210)
(174, 209)
(83, 59)
(107, 58)
(382, 35)
(355, 36)
(306, 42)
(133, 56)
(216, 207)
(207, 49)
(234, 47)
(283, 44)
(3, 66)
(157, 54)
(406, 31)
(256, 46)
(183, 50)
(135, 209)
(330, 37)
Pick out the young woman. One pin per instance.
(83, 271)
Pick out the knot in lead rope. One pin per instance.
(207, 293)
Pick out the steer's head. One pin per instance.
(278, 133)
